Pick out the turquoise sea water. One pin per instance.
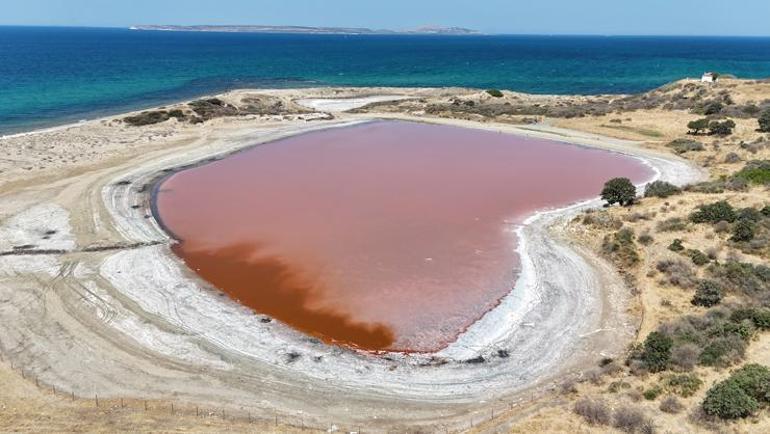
(50, 76)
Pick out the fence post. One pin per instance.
(122, 404)
(73, 395)
(53, 389)
(196, 411)
(37, 382)
(223, 414)
(172, 408)
(96, 399)
(145, 405)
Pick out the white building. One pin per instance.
(710, 77)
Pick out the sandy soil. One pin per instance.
(94, 303)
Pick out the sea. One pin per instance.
(56, 75)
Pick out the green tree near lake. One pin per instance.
(698, 126)
(619, 190)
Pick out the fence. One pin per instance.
(246, 417)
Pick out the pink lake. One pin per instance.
(381, 236)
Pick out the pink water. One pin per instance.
(387, 235)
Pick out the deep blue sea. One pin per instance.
(51, 76)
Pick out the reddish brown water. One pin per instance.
(388, 235)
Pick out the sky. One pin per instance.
(594, 17)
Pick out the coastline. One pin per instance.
(416, 382)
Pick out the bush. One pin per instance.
(760, 317)
(727, 400)
(676, 245)
(743, 231)
(656, 353)
(764, 121)
(707, 294)
(747, 278)
(723, 351)
(671, 405)
(661, 189)
(673, 224)
(755, 172)
(724, 128)
(621, 248)
(713, 213)
(594, 412)
(619, 190)
(698, 258)
(685, 356)
(652, 393)
(684, 385)
(646, 239)
(732, 157)
(678, 273)
(754, 380)
(632, 420)
(680, 146)
(495, 93)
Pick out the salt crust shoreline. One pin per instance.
(565, 305)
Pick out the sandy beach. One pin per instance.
(94, 301)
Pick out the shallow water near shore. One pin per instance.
(381, 236)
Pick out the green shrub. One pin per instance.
(495, 93)
(713, 213)
(724, 128)
(698, 258)
(676, 245)
(656, 352)
(713, 108)
(680, 146)
(684, 385)
(147, 118)
(707, 294)
(661, 189)
(652, 393)
(743, 231)
(619, 190)
(722, 351)
(753, 379)
(747, 278)
(646, 239)
(727, 400)
(755, 172)
(764, 121)
(760, 317)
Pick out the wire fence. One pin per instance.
(244, 416)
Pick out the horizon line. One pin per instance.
(478, 34)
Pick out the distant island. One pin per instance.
(425, 30)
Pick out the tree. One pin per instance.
(698, 126)
(724, 128)
(619, 190)
(657, 351)
(764, 121)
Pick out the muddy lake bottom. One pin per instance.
(381, 236)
